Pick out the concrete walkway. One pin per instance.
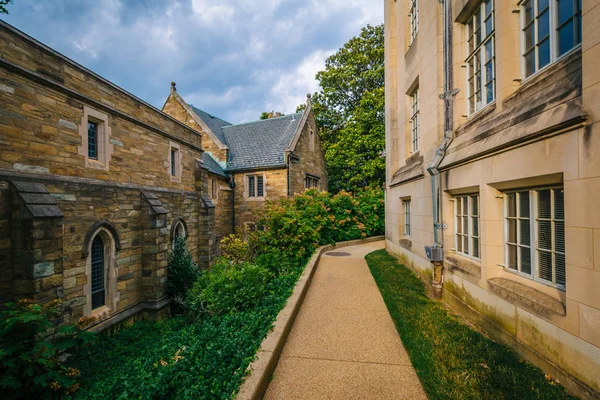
(343, 344)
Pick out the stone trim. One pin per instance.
(301, 125)
(91, 233)
(104, 156)
(155, 204)
(129, 312)
(456, 263)
(178, 162)
(527, 297)
(17, 69)
(11, 175)
(247, 187)
(38, 203)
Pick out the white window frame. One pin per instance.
(533, 246)
(413, 16)
(473, 241)
(415, 126)
(477, 57)
(553, 36)
(407, 222)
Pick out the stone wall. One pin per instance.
(223, 207)
(310, 158)
(275, 187)
(53, 199)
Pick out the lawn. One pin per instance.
(452, 360)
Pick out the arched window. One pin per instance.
(98, 273)
(100, 252)
(178, 230)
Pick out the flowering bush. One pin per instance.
(234, 248)
(33, 349)
(297, 226)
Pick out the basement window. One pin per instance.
(534, 235)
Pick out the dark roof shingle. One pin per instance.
(215, 124)
(261, 143)
(212, 165)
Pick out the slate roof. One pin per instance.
(260, 144)
(215, 124)
(212, 165)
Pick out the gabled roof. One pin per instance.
(215, 124)
(212, 165)
(260, 144)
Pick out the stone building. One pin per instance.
(493, 171)
(254, 161)
(96, 184)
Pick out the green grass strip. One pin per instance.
(452, 360)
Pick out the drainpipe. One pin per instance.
(232, 186)
(435, 253)
(287, 163)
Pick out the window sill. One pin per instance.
(100, 313)
(464, 265)
(255, 198)
(527, 297)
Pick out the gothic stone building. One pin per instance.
(251, 162)
(95, 184)
(493, 148)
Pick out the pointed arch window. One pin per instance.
(98, 273)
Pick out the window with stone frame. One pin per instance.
(415, 128)
(467, 226)
(95, 132)
(214, 189)
(413, 16)
(100, 289)
(406, 211)
(98, 275)
(174, 159)
(311, 142)
(255, 186)
(550, 29)
(311, 181)
(481, 69)
(534, 235)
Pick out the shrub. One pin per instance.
(234, 248)
(278, 263)
(229, 287)
(183, 272)
(33, 348)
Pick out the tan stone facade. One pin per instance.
(534, 136)
(74, 205)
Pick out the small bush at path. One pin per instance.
(452, 360)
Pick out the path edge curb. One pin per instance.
(260, 370)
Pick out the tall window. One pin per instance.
(466, 222)
(92, 140)
(413, 15)
(256, 186)
(414, 121)
(481, 57)
(550, 29)
(98, 272)
(535, 234)
(214, 189)
(407, 220)
(175, 162)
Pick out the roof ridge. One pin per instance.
(261, 120)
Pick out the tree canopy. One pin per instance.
(3, 4)
(349, 109)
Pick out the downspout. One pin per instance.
(436, 252)
(287, 163)
(232, 186)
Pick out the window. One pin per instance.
(481, 57)
(413, 15)
(311, 181)
(311, 143)
(98, 272)
(256, 186)
(407, 221)
(551, 28)
(214, 189)
(414, 121)
(535, 234)
(174, 162)
(466, 223)
(93, 140)
(95, 132)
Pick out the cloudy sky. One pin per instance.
(232, 58)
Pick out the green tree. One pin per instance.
(349, 110)
(3, 4)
